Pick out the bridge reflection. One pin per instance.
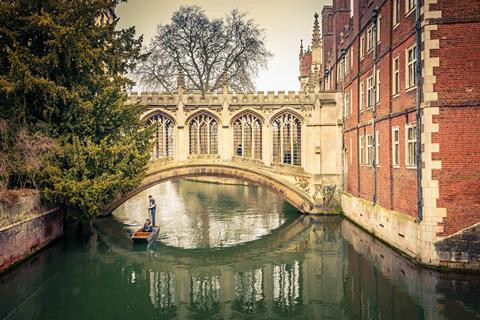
(319, 268)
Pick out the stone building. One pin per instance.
(411, 116)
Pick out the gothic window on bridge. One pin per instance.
(247, 136)
(203, 131)
(163, 136)
(287, 139)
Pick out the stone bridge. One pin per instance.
(289, 142)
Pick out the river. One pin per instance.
(229, 252)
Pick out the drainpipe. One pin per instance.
(418, 111)
(342, 58)
(374, 107)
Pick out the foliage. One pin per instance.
(330, 193)
(62, 83)
(206, 51)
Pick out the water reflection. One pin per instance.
(309, 267)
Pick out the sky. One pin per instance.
(285, 23)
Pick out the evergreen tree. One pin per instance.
(62, 75)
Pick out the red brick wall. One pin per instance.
(458, 87)
(459, 178)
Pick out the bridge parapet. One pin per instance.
(217, 99)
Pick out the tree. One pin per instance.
(62, 76)
(205, 51)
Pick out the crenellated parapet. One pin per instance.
(259, 98)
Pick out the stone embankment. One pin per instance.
(25, 226)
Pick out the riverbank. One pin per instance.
(25, 226)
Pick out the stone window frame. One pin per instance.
(410, 145)
(395, 147)
(396, 76)
(377, 89)
(379, 34)
(369, 102)
(396, 13)
(410, 67)
(362, 46)
(294, 143)
(410, 6)
(211, 139)
(348, 104)
(360, 150)
(361, 103)
(256, 124)
(370, 40)
(369, 149)
(164, 147)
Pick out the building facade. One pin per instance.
(410, 79)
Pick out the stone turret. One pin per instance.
(311, 59)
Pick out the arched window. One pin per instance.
(163, 136)
(287, 139)
(203, 131)
(247, 136)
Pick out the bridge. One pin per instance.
(288, 142)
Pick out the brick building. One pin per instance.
(371, 52)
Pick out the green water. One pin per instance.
(229, 252)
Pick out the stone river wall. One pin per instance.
(25, 228)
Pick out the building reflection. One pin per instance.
(287, 287)
(249, 291)
(319, 274)
(162, 291)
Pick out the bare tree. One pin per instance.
(205, 51)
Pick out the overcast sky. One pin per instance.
(285, 23)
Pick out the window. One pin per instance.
(203, 132)
(351, 57)
(369, 92)
(369, 38)
(287, 139)
(351, 104)
(396, 12)
(360, 150)
(369, 151)
(379, 24)
(395, 147)
(377, 89)
(247, 136)
(347, 105)
(347, 62)
(362, 46)
(396, 77)
(411, 65)
(362, 95)
(163, 136)
(377, 148)
(409, 5)
(411, 138)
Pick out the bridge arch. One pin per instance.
(295, 196)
